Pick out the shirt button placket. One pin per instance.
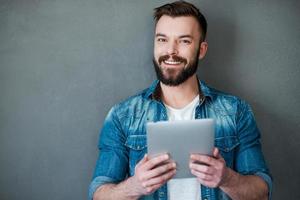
(161, 195)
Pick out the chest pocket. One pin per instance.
(137, 147)
(227, 146)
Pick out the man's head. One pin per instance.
(179, 42)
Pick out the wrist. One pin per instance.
(132, 193)
(229, 179)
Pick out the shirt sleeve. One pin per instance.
(249, 157)
(112, 163)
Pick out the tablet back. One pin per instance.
(179, 139)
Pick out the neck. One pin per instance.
(181, 95)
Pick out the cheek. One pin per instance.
(158, 51)
(155, 52)
(190, 55)
(156, 57)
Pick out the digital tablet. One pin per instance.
(179, 139)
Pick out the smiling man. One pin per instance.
(236, 170)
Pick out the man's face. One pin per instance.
(176, 49)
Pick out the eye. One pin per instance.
(185, 41)
(161, 40)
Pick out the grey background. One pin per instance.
(64, 63)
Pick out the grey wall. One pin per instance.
(63, 64)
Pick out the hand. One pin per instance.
(210, 171)
(151, 174)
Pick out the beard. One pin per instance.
(173, 77)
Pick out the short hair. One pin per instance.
(182, 8)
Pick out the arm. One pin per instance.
(150, 174)
(112, 167)
(245, 187)
(250, 178)
(114, 191)
(212, 172)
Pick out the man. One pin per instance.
(236, 170)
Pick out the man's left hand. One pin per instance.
(210, 171)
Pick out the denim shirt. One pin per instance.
(123, 140)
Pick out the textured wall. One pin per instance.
(64, 63)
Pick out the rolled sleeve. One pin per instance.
(112, 163)
(98, 182)
(249, 156)
(268, 179)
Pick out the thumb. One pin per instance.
(216, 153)
(144, 159)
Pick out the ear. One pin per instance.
(203, 49)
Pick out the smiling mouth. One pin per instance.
(171, 62)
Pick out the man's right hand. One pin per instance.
(151, 174)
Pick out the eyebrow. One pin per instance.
(182, 36)
(160, 35)
(186, 36)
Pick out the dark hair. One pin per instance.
(182, 8)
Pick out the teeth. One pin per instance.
(172, 62)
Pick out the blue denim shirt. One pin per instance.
(122, 142)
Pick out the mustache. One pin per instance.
(174, 58)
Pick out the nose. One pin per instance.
(172, 48)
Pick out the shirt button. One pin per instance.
(161, 194)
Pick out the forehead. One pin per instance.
(176, 26)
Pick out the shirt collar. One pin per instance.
(154, 91)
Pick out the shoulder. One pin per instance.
(224, 96)
(226, 101)
(132, 104)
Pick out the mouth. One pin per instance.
(172, 62)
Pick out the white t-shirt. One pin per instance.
(187, 188)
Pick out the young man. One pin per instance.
(236, 170)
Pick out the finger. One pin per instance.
(144, 160)
(150, 164)
(202, 168)
(160, 179)
(203, 159)
(216, 153)
(202, 176)
(160, 170)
